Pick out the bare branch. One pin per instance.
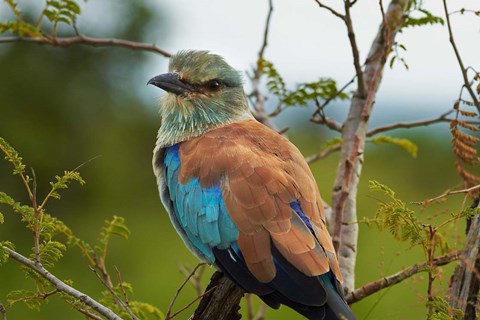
(446, 194)
(336, 13)
(259, 103)
(120, 282)
(95, 42)
(62, 286)
(267, 27)
(88, 314)
(170, 306)
(361, 90)
(322, 154)
(188, 305)
(466, 82)
(442, 118)
(398, 277)
(332, 97)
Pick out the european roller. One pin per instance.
(240, 195)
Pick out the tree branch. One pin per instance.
(62, 286)
(3, 312)
(354, 135)
(466, 82)
(95, 42)
(446, 194)
(322, 154)
(442, 118)
(374, 287)
(336, 13)
(259, 104)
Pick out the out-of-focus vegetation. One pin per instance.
(62, 107)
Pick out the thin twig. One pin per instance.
(260, 315)
(322, 154)
(170, 306)
(249, 303)
(36, 231)
(332, 97)
(442, 118)
(333, 11)
(267, 27)
(190, 303)
(114, 294)
(373, 287)
(62, 286)
(95, 42)
(466, 82)
(361, 91)
(259, 103)
(89, 314)
(120, 282)
(446, 194)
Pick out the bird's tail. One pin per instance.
(336, 307)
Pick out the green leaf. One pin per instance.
(4, 254)
(50, 253)
(406, 144)
(12, 156)
(441, 310)
(117, 227)
(426, 17)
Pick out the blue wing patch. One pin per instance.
(200, 211)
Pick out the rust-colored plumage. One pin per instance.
(261, 173)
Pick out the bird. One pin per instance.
(239, 194)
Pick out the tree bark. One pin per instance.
(464, 288)
(354, 135)
(223, 302)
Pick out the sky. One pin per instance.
(307, 42)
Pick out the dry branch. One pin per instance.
(466, 82)
(95, 42)
(398, 277)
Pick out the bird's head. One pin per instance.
(203, 93)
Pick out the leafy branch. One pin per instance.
(44, 29)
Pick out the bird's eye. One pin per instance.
(214, 85)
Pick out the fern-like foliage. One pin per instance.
(52, 238)
(395, 216)
(441, 310)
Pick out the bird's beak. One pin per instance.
(171, 82)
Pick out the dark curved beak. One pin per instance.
(171, 82)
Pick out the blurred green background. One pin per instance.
(62, 107)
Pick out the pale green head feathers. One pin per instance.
(203, 93)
